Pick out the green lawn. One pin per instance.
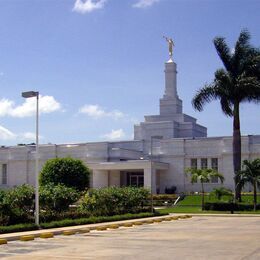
(192, 204)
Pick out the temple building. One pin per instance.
(164, 146)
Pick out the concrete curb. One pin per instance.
(215, 215)
(83, 228)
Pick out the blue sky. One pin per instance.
(98, 65)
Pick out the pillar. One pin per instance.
(150, 179)
(100, 179)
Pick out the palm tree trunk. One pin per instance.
(202, 198)
(236, 148)
(255, 196)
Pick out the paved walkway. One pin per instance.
(201, 237)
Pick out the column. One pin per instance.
(114, 178)
(100, 179)
(150, 179)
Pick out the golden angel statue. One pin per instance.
(171, 45)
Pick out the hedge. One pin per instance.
(226, 206)
(114, 201)
(100, 219)
(17, 228)
(74, 222)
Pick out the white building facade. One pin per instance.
(164, 146)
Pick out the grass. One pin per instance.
(192, 204)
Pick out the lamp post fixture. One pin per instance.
(30, 94)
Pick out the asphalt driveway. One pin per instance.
(195, 238)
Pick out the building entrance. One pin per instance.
(135, 179)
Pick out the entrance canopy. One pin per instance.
(108, 173)
(129, 165)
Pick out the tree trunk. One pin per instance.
(236, 149)
(255, 196)
(202, 198)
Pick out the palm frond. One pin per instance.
(224, 52)
(248, 89)
(226, 106)
(203, 96)
(203, 175)
(250, 172)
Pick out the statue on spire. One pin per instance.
(171, 45)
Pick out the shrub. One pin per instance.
(57, 197)
(220, 192)
(17, 228)
(100, 219)
(113, 200)
(18, 204)
(163, 199)
(68, 171)
(50, 215)
(170, 190)
(227, 206)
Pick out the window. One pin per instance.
(214, 166)
(204, 163)
(4, 173)
(193, 163)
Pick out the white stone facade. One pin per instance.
(164, 146)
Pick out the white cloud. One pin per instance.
(6, 134)
(28, 137)
(88, 6)
(96, 111)
(47, 104)
(115, 135)
(6, 107)
(145, 3)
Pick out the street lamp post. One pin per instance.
(30, 94)
(151, 153)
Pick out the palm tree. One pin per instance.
(250, 174)
(237, 82)
(204, 176)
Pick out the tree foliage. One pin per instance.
(203, 176)
(250, 174)
(220, 192)
(57, 197)
(114, 200)
(237, 82)
(17, 205)
(67, 171)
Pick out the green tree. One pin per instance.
(237, 82)
(203, 176)
(221, 192)
(18, 204)
(67, 171)
(250, 174)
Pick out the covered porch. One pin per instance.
(140, 173)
